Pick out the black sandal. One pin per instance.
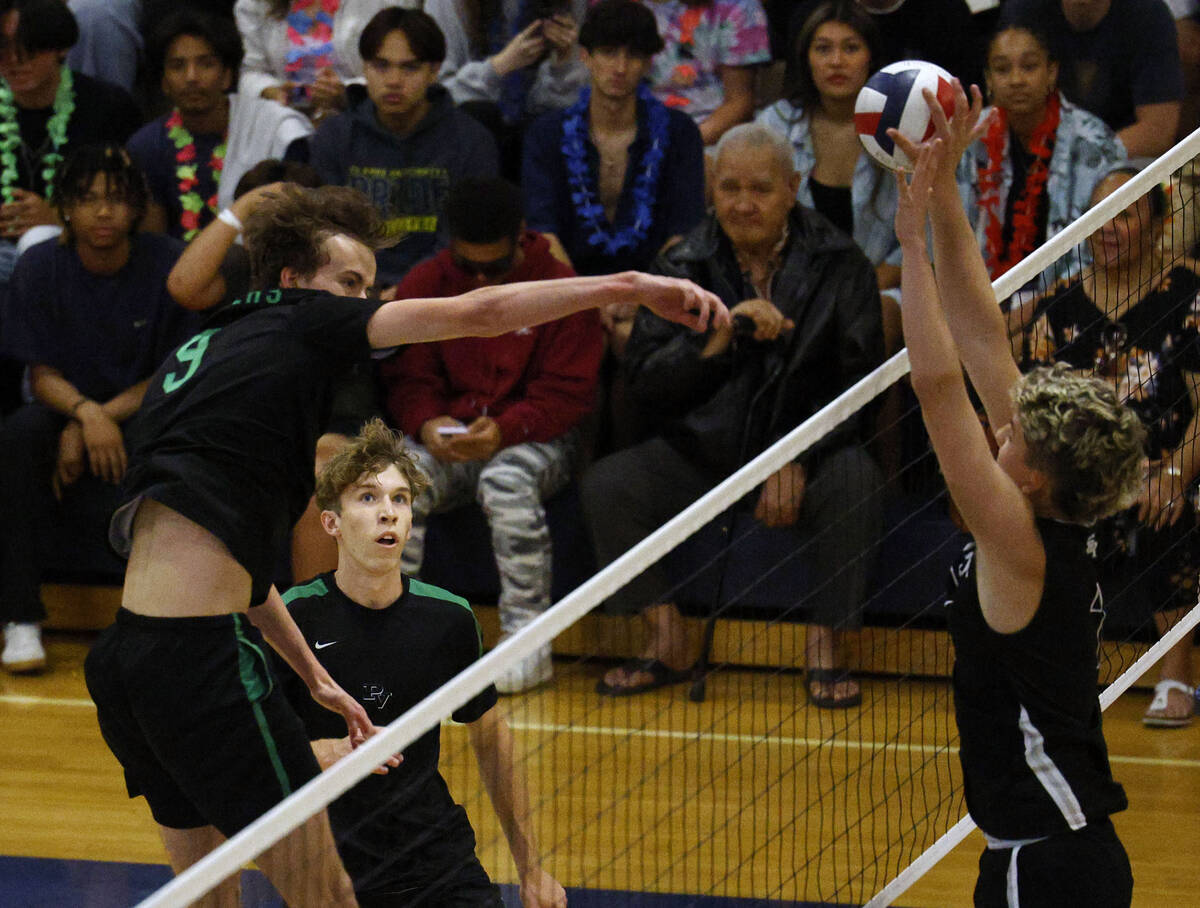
(822, 676)
(661, 675)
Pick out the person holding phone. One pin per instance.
(496, 419)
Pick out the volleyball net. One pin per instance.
(737, 787)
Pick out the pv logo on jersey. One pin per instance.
(376, 694)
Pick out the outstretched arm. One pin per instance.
(974, 318)
(272, 618)
(491, 311)
(995, 509)
(492, 742)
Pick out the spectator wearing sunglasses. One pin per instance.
(495, 420)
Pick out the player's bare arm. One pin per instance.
(972, 314)
(491, 311)
(273, 620)
(997, 512)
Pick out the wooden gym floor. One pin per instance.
(749, 795)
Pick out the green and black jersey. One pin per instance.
(403, 828)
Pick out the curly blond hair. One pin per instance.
(1086, 441)
(373, 450)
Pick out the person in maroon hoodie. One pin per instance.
(496, 419)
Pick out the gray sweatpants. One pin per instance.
(510, 488)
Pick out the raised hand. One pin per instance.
(912, 208)
(561, 34)
(955, 133)
(525, 49)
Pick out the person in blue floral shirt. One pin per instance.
(707, 66)
(1132, 318)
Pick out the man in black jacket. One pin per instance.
(806, 306)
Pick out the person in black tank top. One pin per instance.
(1025, 607)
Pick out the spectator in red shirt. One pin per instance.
(496, 419)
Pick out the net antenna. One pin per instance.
(433, 710)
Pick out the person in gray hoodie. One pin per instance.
(405, 143)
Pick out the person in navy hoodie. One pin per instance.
(406, 143)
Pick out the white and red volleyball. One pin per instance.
(893, 99)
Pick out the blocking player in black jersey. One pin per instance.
(1024, 615)
(220, 468)
(390, 641)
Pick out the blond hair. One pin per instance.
(1086, 441)
(373, 450)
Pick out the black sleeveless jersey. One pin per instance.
(227, 432)
(1033, 755)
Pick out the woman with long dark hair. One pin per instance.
(833, 52)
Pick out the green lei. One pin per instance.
(56, 128)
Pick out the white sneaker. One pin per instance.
(23, 651)
(534, 669)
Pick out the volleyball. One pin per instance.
(893, 99)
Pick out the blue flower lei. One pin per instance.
(645, 186)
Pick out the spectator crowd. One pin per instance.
(519, 140)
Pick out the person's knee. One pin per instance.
(508, 481)
(329, 446)
(606, 483)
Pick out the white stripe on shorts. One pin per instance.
(1014, 891)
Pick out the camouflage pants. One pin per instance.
(510, 488)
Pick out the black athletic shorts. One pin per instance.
(190, 709)
(398, 866)
(471, 891)
(1085, 867)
